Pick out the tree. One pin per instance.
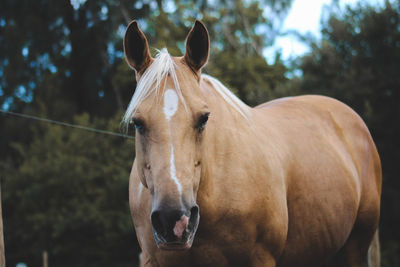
(74, 41)
(357, 62)
(69, 197)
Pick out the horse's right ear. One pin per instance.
(136, 49)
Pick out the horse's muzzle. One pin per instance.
(175, 229)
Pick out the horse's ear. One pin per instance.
(197, 46)
(136, 49)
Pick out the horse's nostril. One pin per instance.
(156, 222)
(164, 220)
(194, 216)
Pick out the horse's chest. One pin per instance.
(210, 254)
(227, 244)
(220, 255)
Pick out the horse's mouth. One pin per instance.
(183, 244)
(175, 246)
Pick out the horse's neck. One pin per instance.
(227, 135)
(227, 123)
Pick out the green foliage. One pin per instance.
(70, 197)
(41, 38)
(358, 62)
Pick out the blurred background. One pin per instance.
(65, 190)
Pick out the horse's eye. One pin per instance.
(202, 121)
(139, 125)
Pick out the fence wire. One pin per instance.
(66, 124)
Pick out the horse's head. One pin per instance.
(170, 114)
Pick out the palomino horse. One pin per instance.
(293, 182)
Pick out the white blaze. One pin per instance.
(170, 108)
(170, 103)
(173, 171)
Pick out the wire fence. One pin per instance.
(66, 124)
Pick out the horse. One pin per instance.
(292, 182)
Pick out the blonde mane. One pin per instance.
(228, 96)
(162, 66)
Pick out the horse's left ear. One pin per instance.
(197, 46)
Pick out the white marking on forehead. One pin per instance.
(170, 103)
(173, 171)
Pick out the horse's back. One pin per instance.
(338, 123)
(334, 169)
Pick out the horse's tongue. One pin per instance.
(180, 226)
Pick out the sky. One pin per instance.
(304, 16)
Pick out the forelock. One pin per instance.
(150, 82)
